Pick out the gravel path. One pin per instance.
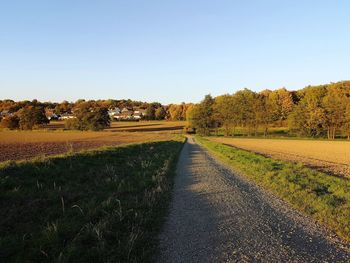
(218, 216)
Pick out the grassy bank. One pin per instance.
(326, 198)
(97, 206)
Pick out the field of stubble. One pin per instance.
(329, 156)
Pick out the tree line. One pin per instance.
(89, 115)
(315, 111)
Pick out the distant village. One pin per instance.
(126, 113)
(15, 115)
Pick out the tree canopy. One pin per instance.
(313, 111)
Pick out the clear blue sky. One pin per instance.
(168, 51)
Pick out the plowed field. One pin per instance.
(30, 144)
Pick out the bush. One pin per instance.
(71, 124)
(10, 122)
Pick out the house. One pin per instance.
(139, 113)
(50, 115)
(113, 112)
(4, 113)
(117, 116)
(66, 116)
(125, 109)
(126, 114)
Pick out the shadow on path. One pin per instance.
(218, 216)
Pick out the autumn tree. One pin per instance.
(334, 104)
(64, 107)
(10, 122)
(281, 105)
(346, 124)
(224, 112)
(32, 117)
(245, 115)
(175, 112)
(89, 116)
(263, 111)
(202, 118)
(308, 117)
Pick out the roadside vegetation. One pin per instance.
(98, 206)
(325, 198)
(330, 156)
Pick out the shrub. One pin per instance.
(71, 124)
(10, 122)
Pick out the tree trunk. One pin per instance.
(265, 131)
(256, 130)
(226, 130)
(328, 133)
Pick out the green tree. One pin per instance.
(245, 113)
(334, 104)
(281, 105)
(150, 112)
(88, 116)
(308, 117)
(160, 113)
(31, 117)
(263, 111)
(224, 112)
(346, 124)
(202, 119)
(189, 114)
(64, 107)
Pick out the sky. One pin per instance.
(169, 51)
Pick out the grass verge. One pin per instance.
(99, 206)
(325, 198)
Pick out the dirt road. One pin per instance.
(218, 216)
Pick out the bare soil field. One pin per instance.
(328, 156)
(18, 145)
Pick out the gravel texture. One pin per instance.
(216, 215)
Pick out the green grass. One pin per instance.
(99, 206)
(326, 198)
(276, 133)
(273, 132)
